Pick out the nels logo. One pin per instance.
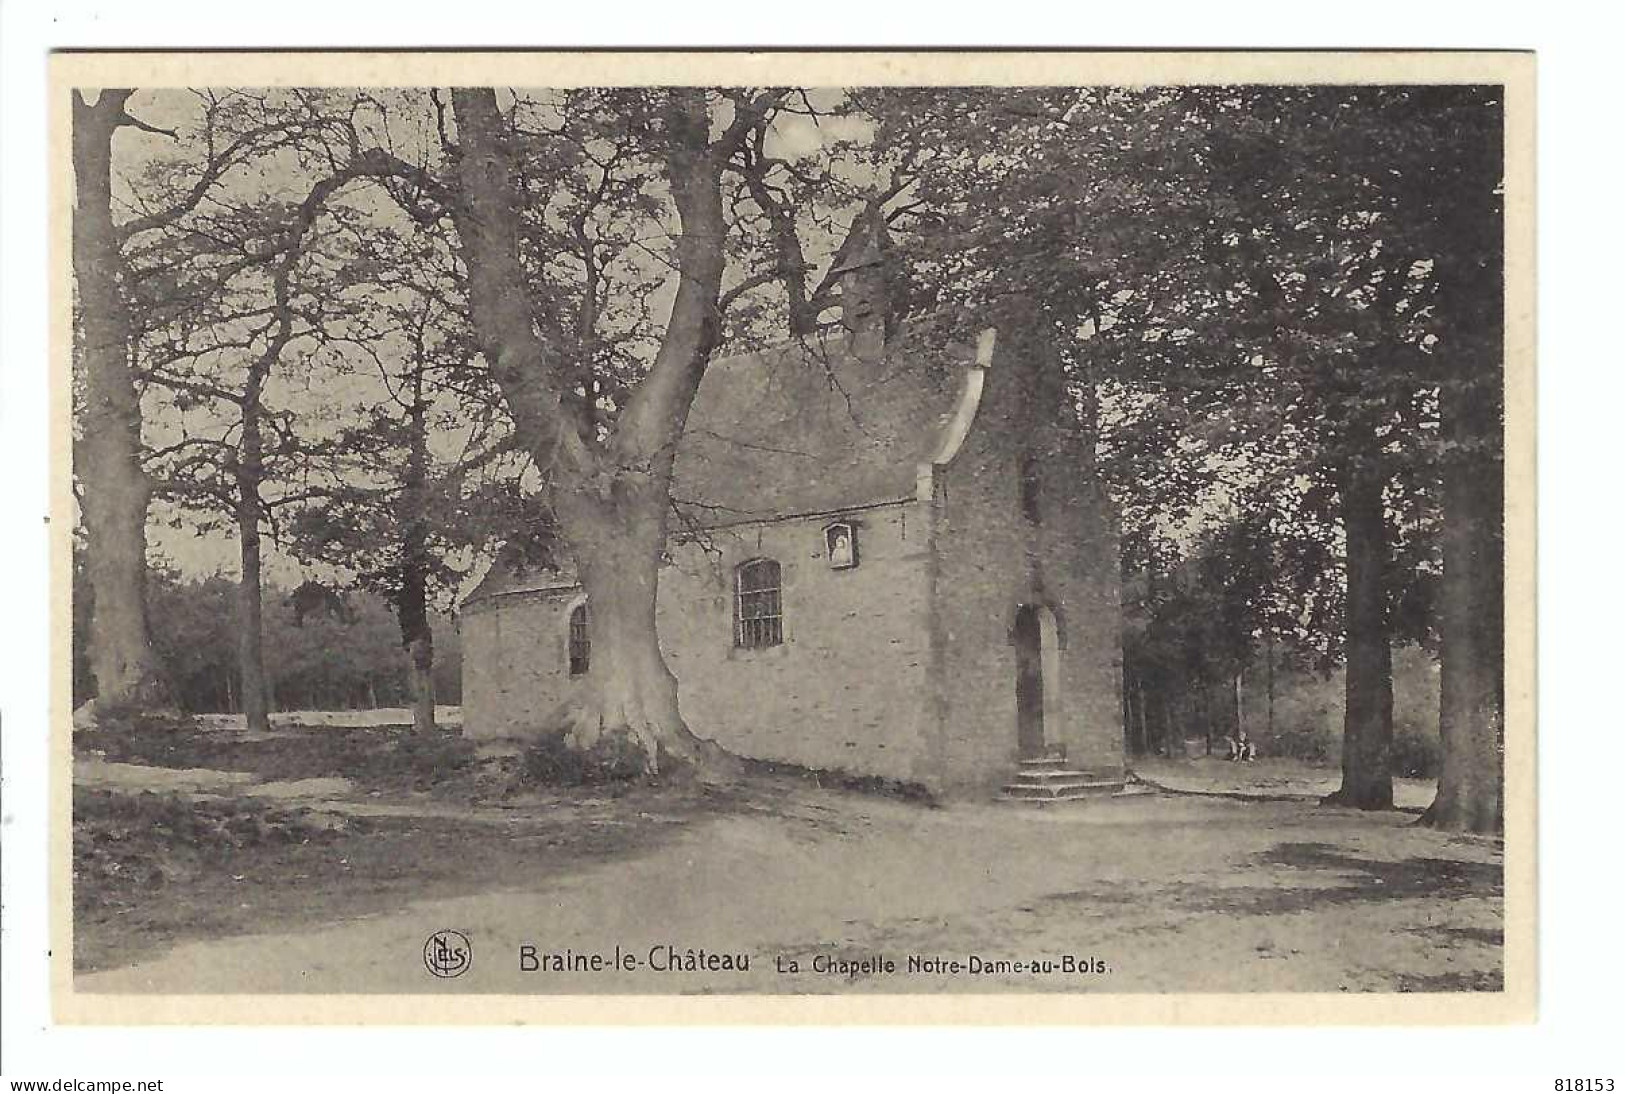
(448, 954)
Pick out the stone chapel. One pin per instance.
(894, 559)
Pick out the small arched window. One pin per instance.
(758, 606)
(580, 641)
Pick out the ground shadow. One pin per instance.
(1489, 980)
(1383, 879)
(1358, 880)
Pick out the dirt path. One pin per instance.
(1187, 893)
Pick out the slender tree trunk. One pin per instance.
(1269, 688)
(1179, 710)
(1368, 706)
(250, 600)
(1134, 731)
(116, 490)
(1126, 706)
(1139, 704)
(250, 470)
(420, 654)
(416, 635)
(1156, 735)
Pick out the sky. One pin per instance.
(325, 392)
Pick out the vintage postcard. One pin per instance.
(794, 537)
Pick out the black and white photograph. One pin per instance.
(820, 528)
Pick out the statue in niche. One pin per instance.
(842, 546)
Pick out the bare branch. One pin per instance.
(748, 113)
(216, 167)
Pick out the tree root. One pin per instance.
(1476, 824)
(670, 752)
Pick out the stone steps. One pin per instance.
(1053, 763)
(1043, 779)
(1068, 791)
(1048, 777)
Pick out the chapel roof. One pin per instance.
(811, 428)
(799, 429)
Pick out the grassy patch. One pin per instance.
(125, 846)
(153, 870)
(386, 758)
(837, 779)
(549, 761)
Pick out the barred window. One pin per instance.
(758, 609)
(580, 641)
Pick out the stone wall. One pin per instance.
(516, 662)
(990, 559)
(844, 691)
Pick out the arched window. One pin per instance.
(580, 641)
(758, 607)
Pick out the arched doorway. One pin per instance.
(1036, 641)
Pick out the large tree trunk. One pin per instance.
(610, 493)
(1472, 591)
(618, 544)
(1470, 677)
(108, 453)
(1368, 710)
(250, 600)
